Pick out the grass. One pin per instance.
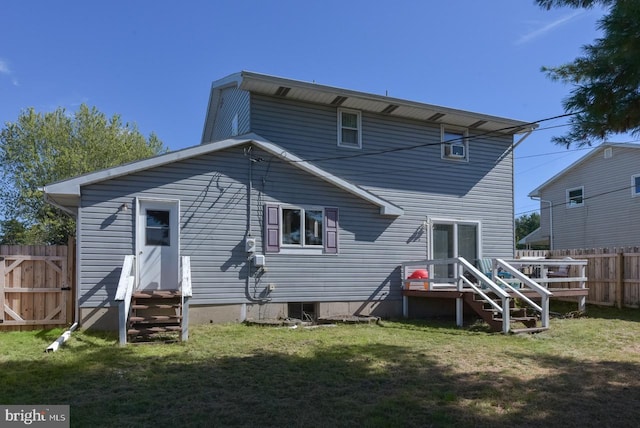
(582, 372)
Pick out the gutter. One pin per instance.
(537, 198)
(67, 334)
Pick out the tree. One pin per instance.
(605, 99)
(38, 149)
(525, 224)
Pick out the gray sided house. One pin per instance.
(300, 196)
(593, 203)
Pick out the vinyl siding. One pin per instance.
(417, 179)
(232, 101)
(213, 195)
(609, 216)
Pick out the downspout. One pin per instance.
(550, 219)
(67, 334)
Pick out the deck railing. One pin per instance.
(126, 285)
(462, 275)
(524, 281)
(546, 272)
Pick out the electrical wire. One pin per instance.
(417, 146)
(584, 198)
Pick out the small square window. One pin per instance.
(575, 197)
(349, 129)
(455, 144)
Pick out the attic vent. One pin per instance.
(477, 124)
(390, 108)
(282, 91)
(608, 152)
(435, 117)
(337, 101)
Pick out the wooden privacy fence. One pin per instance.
(613, 273)
(36, 286)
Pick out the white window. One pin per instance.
(575, 197)
(297, 230)
(349, 129)
(635, 185)
(302, 227)
(455, 144)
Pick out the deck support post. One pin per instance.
(405, 307)
(506, 313)
(459, 311)
(545, 311)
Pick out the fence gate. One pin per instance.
(35, 287)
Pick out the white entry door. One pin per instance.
(158, 244)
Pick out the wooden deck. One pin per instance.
(454, 294)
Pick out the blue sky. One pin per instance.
(153, 61)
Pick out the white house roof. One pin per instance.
(536, 192)
(67, 193)
(346, 98)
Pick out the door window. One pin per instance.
(158, 229)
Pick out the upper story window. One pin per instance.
(635, 185)
(575, 197)
(455, 144)
(349, 129)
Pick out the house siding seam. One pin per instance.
(417, 180)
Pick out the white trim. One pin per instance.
(432, 221)
(358, 114)
(71, 188)
(568, 200)
(139, 228)
(444, 129)
(535, 193)
(633, 186)
(301, 246)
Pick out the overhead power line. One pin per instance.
(417, 146)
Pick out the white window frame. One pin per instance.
(300, 248)
(358, 113)
(633, 186)
(445, 129)
(575, 205)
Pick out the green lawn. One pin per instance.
(582, 372)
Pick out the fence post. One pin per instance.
(1, 289)
(620, 280)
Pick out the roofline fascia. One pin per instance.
(246, 75)
(72, 186)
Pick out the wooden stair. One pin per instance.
(155, 315)
(493, 318)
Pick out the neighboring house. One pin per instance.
(300, 197)
(593, 203)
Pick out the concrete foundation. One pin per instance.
(107, 318)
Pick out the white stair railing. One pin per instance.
(527, 282)
(186, 292)
(126, 285)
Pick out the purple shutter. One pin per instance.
(271, 229)
(331, 230)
